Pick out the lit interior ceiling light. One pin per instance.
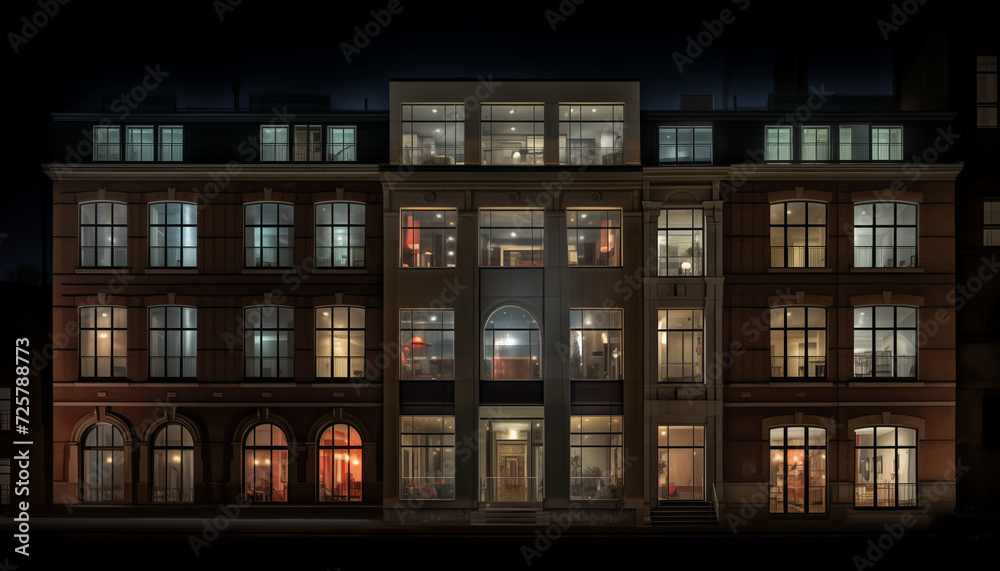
(434, 110)
(594, 110)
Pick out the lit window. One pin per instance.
(517, 441)
(427, 457)
(680, 352)
(685, 144)
(597, 459)
(428, 238)
(511, 345)
(595, 339)
(798, 235)
(885, 341)
(341, 144)
(778, 143)
(340, 342)
(991, 222)
(433, 134)
(103, 465)
(798, 470)
(986, 91)
(103, 235)
(511, 238)
(139, 144)
(268, 342)
(265, 464)
(886, 467)
(887, 143)
(273, 143)
(102, 342)
(340, 464)
(591, 134)
(513, 134)
(340, 235)
(268, 232)
(854, 143)
(427, 338)
(173, 465)
(107, 143)
(173, 235)
(885, 235)
(173, 342)
(308, 143)
(171, 143)
(4, 409)
(594, 237)
(815, 143)
(680, 240)
(798, 342)
(681, 468)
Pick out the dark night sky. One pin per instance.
(91, 48)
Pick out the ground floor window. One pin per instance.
(681, 462)
(798, 469)
(265, 453)
(511, 457)
(427, 463)
(886, 467)
(340, 464)
(596, 455)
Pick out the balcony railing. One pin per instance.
(798, 366)
(778, 152)
(103, 256)
(885, 495)
(139, 152)
(885, 256)
(308, 152)
(102, 367)
(340, 153)
(591, 156)
(588, 487)
(273, 152)
(340, 257)
(698, 153)
(172, 256)
(511, 489)
(107, 152)
(428, 488)
(681, 372)
(673, 266)
(432, 155)
(798, 256)
(103, 493)
(269, 367)
(161, 494)
(880, 365)
(171, 151)
(269, 256)
(815, 151)
(170, 367)
(340, 367)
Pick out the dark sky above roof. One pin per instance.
(87, 49)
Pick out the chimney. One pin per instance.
(236, 93)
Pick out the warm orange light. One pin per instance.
(418, 343)
(412, 239)
(607, 237)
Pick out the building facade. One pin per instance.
(501, 301)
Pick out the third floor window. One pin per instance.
(268, 234)
(103, 235)
(798, 235)
(139, 144)
(685, 145)
(680, 242)
(815, 143)
(591, 134)
(340, 235)
(173, 235)
(778, 143)
(433, 134)
(885, 235)
(513, 134)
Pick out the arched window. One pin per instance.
(103, 464)
(265, 464)
(340, 464)
(173, 465)
(885, 467)
(798, 469)
(511, 348)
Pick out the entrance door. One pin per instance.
(681, 463)
(511, 484)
